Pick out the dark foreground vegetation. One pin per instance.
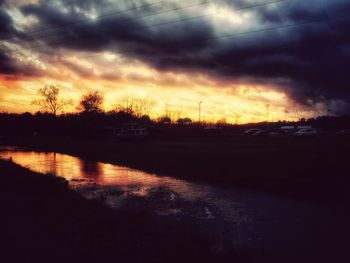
(107, 124)
(42, 220)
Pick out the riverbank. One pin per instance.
(301, 167)
(43, 220)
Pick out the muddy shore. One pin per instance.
(45, 220)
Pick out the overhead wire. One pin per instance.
(158, 24)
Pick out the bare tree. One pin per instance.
(184, 121)
(171, 113)
(50, 100)
(168, 112)
(221, 122)
(137, 106)
(91, 102)
(125, 104)
(143, 106)
(237, 117)
(164, 120)
(177, 114)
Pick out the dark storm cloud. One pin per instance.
(311, 60)
(6, 25)
(7, 65)
(318, 52)
(116, 30)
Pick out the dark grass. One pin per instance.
(302, 167)
(42, 220)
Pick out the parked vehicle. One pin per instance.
(306, 132)
(132, 131)
(260, 133)
(136, 133)
(287, 130)
(273, 133)
(345, 132)
(252, 132)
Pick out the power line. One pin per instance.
(245, 33)
(184, 44)
(127, 20)
(165, 23)
(87, 20)
(168, 11)
(118, 13)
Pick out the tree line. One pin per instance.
(50, 101)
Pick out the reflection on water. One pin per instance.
(226, 215)
(90, 169)
(247, 219)
(74, 169)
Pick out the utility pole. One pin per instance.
(199, 111)
(237, 117)
(267, 112)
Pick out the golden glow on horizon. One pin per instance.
(177, 92)
(236, 104)
(106, 67)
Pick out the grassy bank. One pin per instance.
(302, 166)
(43, 220)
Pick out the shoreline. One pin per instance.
(46, 220)
(66, 223)
(322, 170)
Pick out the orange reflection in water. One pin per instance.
(71, 167)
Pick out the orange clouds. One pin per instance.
(176, 92)
(239, 103)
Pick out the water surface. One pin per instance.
(227, 215)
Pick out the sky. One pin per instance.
(244, 60)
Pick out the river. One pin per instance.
(255, 221)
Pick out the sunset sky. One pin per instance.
(246, 60)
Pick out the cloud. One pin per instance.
(6, 25)
(6, 66)
(9, 65)
(309, 61)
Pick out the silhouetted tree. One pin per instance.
(180, 121)
(237, 117)
(176, 114)
(164, 120)
(135, 106)
(221, 122)
(50, 101)
(187, 120)
(143, 106)
(168, 112)
(125, 104)
(184, 121)
(145, 119)
(91, 102)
